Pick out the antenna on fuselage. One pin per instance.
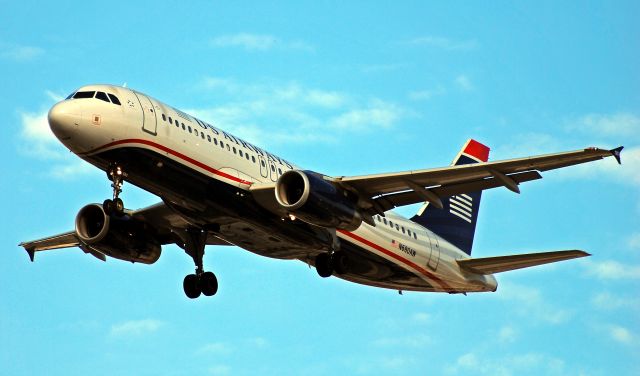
(124, 85)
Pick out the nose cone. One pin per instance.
(64, 118)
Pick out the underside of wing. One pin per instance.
(490, 265)
(66, 240)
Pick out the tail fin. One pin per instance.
(456, 221)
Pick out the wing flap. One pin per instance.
(490, 265)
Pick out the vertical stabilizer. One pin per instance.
(456, 221)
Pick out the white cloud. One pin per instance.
(258, 42)
(22, 53)
(291, 113)
(624, 126)
(531, 363)
(220, 370)
(443, 43)
(135, 328)
(620, 334)
(463, 83)
(217, 348)
(634, 241)
(612, 270)
(531, 303)
(608, 301)
(415, 341)
(425, 95)
(507, 334)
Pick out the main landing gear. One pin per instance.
(329, 263)
(201, 282)
(115, 206)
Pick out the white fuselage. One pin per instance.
(89, 126)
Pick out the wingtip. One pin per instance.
(616, 153)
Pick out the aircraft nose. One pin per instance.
(64, 118)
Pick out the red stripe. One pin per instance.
(172, 152)
(477, 150)
(411, 264)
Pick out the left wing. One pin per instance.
(386, 191)
(490, 265)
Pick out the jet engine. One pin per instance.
(311, 198)
(119, 237)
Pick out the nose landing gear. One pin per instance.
(115, 205)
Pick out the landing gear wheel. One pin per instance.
(208, 284)
(108, 206)
(118, 207)
(191, 286)
(340, 262)
(324, 265)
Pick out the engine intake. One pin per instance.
(308, 196)
(119, 237)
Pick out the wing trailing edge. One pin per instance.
(498, 264)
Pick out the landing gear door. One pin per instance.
(149, 119)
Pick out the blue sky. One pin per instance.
(344, 89)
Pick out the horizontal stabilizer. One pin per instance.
(490, 265)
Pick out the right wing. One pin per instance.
(490, 265)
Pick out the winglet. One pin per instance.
(616, 153)
(31, 252)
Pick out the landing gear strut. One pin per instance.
(115, 206)
(201, 282)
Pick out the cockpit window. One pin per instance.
(114, 99)
(83, 94)
(70, 95)
(102, 96)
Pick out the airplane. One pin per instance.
(218, 189)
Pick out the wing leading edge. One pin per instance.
(490, 265)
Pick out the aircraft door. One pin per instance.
(149, 119)
(273, 173)
(264, 170)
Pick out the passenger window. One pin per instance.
(208, 138)
(202, 135)
(397, 227)
(384, 220)
(279, 171)
(171, 121)
(262, 163)
(183, 127)
(234, 150)
(215, 141)
(247, 155)
(83, 94)
(240, 152)
(228, 147)
(403, 230)
(273, 169)
(415, 236)
(114, 99)
(164, 118)
(409, 232)
(102, 96)
(222, 144)
(253, 159)
(189, 127)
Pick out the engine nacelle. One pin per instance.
(118, 237)
(308, 196)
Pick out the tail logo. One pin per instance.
(461, 206)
